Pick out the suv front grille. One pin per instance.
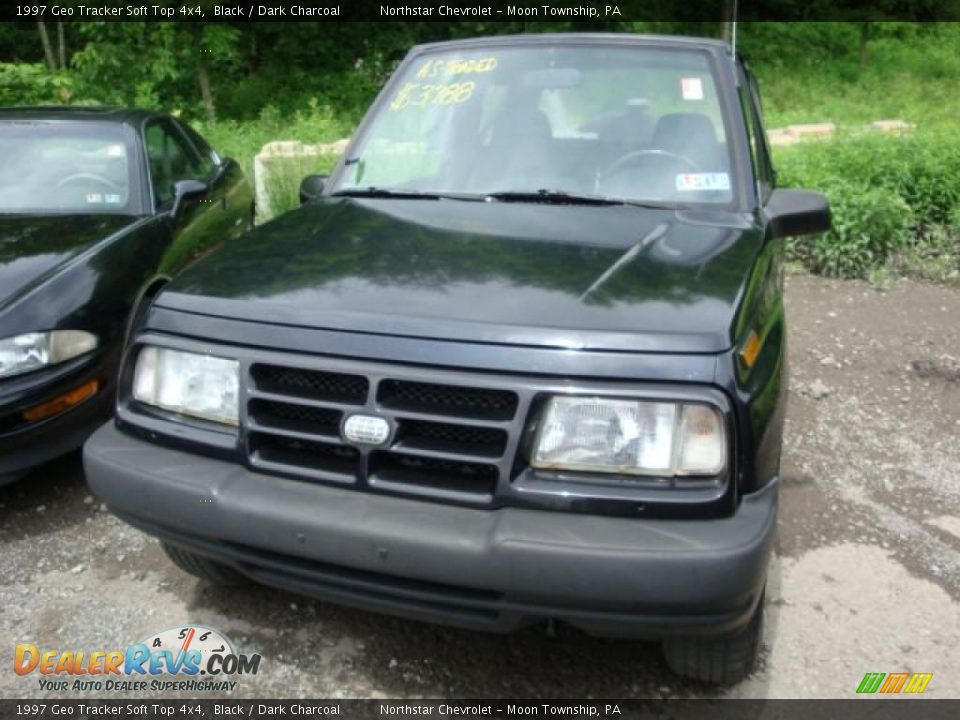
(447, 437)
(448, 399)
(447, 441)
(313, 384)
(298, 418)
(321, 460)
(426, 474)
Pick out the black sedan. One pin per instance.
(99, 208)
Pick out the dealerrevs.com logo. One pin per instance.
(191, 658)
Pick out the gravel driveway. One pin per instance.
(866, 575)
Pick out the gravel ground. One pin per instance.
(866, 575)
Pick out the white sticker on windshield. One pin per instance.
(116, 151)
(113, 199)
(691, 88)
(94, 197)
(703, 181)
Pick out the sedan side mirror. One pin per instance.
(311, 188)
(797, 212)
(186, 190)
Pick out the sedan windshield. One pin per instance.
(62, 167)
(549, 123)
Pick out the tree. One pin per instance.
(47, 47)
(58, 61)
(62, 45)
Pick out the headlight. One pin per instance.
(32, 351)
(187, 383)
(630, 437)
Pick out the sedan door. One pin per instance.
(229, 186)
(201, 223)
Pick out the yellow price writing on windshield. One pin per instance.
(456, 66)
(417, 95)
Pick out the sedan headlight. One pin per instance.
(33, 351)
(630, 437)
(188, 383)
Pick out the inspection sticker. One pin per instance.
(691, 88)
(116, 151)
(703, 181)
(94, 197)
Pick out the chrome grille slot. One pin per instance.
(451, 400)
(267, 414)
(312, 384)
(427, 475)
(444, 437)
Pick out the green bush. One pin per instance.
(283, 180)
(923, 168)
(890, 197)
(313, 124)
(32, 84)
(869, 226)
(810, 72)
(934, 256)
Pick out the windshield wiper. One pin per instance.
(375, 192)
(387, 193)
(561, 197)
(552, 197)
(548, 197)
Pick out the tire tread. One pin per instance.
(203, 568)
(723, 660)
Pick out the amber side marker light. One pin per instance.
(751, 349)
(62, 403)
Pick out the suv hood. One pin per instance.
(569, 276)
(34, 247)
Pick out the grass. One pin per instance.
(912, 79)
(895, 203)
(313, 125)
(283, 180)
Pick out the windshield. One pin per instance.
(64, 167)
(636, 124)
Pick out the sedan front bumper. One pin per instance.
(485, 569)
(25, 445)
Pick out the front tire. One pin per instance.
(726, 659)
(203, 568)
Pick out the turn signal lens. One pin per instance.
(703, 447)
(62, 403)
(751, 349)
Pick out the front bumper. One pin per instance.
(27, 445)
(485, 569)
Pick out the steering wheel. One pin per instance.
(656, 183)
(639, 156)
(87, 177)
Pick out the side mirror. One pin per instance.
(798, 212)
(311, 188)
(224, 165)
(186, 190)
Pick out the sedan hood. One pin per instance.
(34, 247)
(567, 276)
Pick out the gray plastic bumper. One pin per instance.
(485, 569)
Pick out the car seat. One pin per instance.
(691, 135)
